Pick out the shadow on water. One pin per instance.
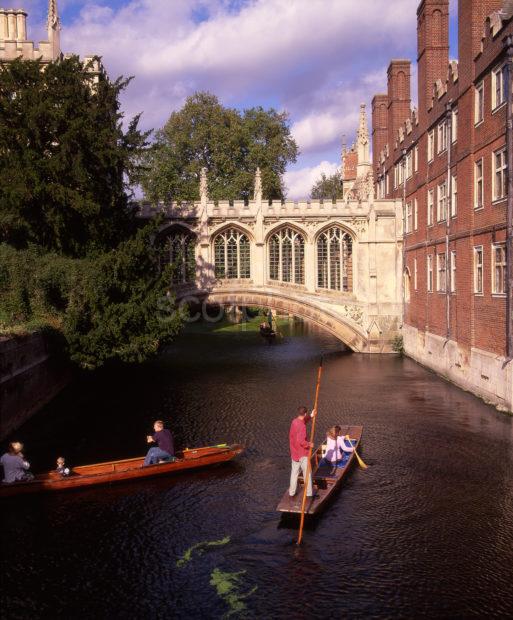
(426, 531)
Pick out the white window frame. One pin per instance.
(441, 203)
(431, 145)
(502, 172)
(479, 184)
(454, 125)
(499, 86)
(415, 214)
(415, 280)
(429, 269)
(454, 195)
(416, 158)
(441, 268)
(453, 271)
(442, 137)
(409, 167)
(409, 218)
(478, 261)
(479, 103)
(502, 265)
(430, 206)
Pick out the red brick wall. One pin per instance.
(475, 320)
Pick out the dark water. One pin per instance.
(426, 531)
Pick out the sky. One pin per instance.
(316, 59)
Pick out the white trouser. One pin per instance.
(296, 466)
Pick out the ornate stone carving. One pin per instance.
(354, 313)
(203, 185)
(257, 196)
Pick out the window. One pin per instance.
(430, 273)
(478, 184)
(415, 282)
(431, 145)
(415, 214)
(430, 203)
(416, 158)
(441, 283)
(499, 269)
(478, 270)
(500, 176)
(409, 167)
(409, 218)
(180, 249)
(441, 208)
(396, 177)
(454, 195)
(453, 271)
(287, 256)
(442, 136)
(454, 125)
(387, 183)
(232, 254)
(406, 284)
(499, 86)
(334, 260)
(479, 103)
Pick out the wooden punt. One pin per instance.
(119, 471)
(326, 479)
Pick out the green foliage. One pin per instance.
(229, 144)
(200, 547)
(398, 345)
(65, 161)
(327, 188)
(115, 306)
(228, 587)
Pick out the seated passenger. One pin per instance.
(332, 452)
(14, 464)
(344, 443)
(61, 467)
(164, 440)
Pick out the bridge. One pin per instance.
(337, 263)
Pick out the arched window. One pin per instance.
(180, 251)
(334, 260)
(287, 256)
(232, 254)
(406, 284)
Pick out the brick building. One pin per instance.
(448, 160)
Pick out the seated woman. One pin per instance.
(331, 455)
(344, 444)
(14, 464)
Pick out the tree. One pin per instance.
(327, 188)
(65, 161)
(229, 144)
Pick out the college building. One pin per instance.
(448, 160)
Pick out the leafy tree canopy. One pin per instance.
(327, 187)
(230, 144)
(65, 160)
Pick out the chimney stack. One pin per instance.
(399, 100)
(432, 50)
(21, 25)
(379, 128)
(471, 20)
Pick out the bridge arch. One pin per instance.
(352, 335)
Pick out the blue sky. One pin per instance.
(316, 59)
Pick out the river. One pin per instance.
(425, 531)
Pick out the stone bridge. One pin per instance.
(338, 264)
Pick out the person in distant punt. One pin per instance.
(61, 468)
(16, 468)
(332, 454)
(164, 450)
(299, 448)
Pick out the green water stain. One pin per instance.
(200, 547)
(228, 588)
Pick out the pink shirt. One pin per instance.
(299, 444)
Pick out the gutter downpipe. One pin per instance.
(508, 44)
(448, 283)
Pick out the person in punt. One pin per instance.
(62, 469)
(336, 446)
(164, 451)
(299, 448)
(16, 468)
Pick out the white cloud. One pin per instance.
(299, 182)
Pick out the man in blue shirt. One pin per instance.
(164, 440)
